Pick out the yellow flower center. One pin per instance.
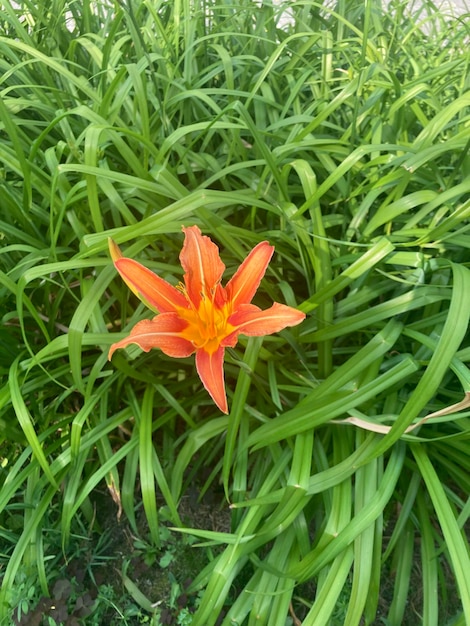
(207, 325)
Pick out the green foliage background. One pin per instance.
(343, 139)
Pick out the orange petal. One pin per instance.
(155, 292)
(202, 265)
(114, 250)
(116, 254)
(210, 367)
(163, 332)
(251, 322)
(243, 285)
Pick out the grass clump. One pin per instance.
(343, 138)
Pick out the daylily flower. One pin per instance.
(200, 315)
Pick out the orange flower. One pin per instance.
(200, 315)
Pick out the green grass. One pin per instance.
(344, 140)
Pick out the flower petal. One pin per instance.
(210, 367)
(255, 323)
(155, 292)
(243, 285)
(202, 265)
(115, 252)
(163, 331)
